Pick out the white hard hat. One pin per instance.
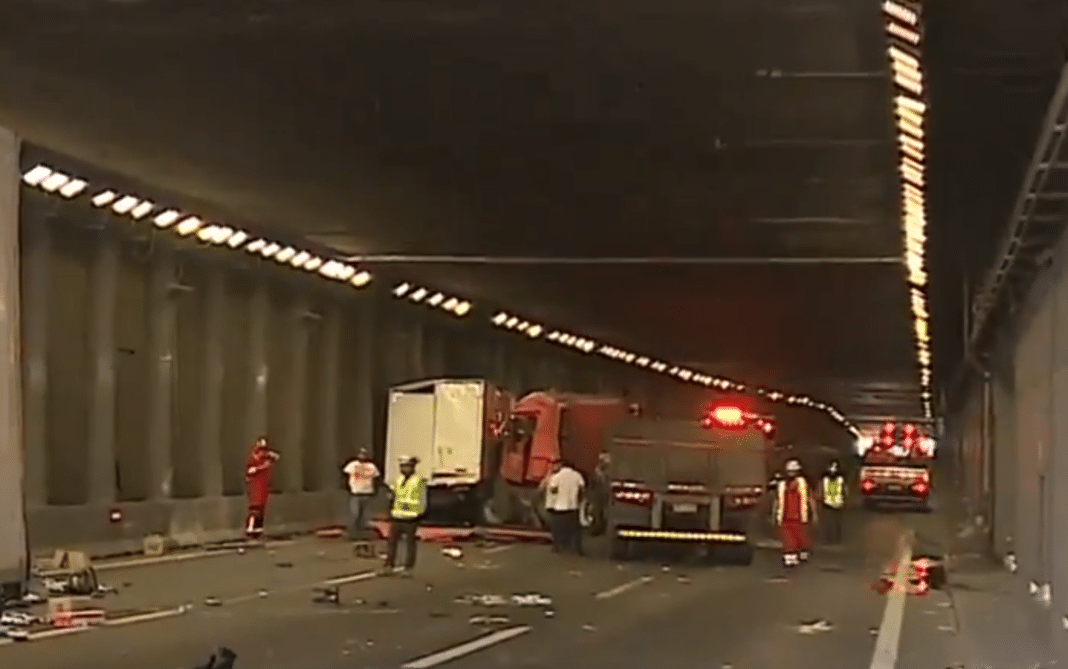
(408, 459)
(793, 466)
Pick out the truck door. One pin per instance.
(458, 433)
(409, 430)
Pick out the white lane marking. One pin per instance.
(59, 631)
(620, 589)
(889, 638)
(497, 549)
(145, 617)
(353, 578)
(473, 646)
(163, 559)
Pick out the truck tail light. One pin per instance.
(867, 485)
(921, 487)
(632, 493)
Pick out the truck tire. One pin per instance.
(592, 518)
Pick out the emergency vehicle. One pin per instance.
(687, 482)
(896, 469)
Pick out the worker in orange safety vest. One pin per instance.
(795, 511)
(258, 485)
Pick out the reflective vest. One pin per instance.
(834, 491)
(802, 491)
(408, 497)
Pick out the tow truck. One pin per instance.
(685, 482)
(896, 469)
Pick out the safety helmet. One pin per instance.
(408, 460)
(793, 466)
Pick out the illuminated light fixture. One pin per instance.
(166, 218)
(462, 308)
(361, 279)
(450, 304)
(313, 264)
(53, 182)
(188, 226)
(286, 254)
(511, 322)
(143, 209)
(206, 234)
(345, 272)
(499, 319)
(270, 249)
(36, 175)
(435, 299)
(73, 188)
(256, 246)
(299, 259)
(401, 289)
(904, 50)
(125, 205)
(534, 331)
(104, 198)
(418, 294)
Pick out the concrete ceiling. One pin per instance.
(721, 129)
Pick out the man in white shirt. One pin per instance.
(362, 479)
(564, 490)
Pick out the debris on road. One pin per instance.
(814, 627)
(328, 596)
(452, 552)
(589, 628)
(212, 601)
(489, 620)
(777, 579)
(283, 565)
(17, 619)
(531, 599)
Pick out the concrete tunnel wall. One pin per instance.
(1009, 452)
(149, 368)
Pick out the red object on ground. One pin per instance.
(438, 534)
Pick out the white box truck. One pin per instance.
(454, 427)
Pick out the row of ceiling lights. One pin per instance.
(533, 330)
(437, 300)
(55, 182)
(187, 225)
(904, 45)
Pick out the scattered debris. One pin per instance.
(212, 601)
(531, 599)
(777, 579)
(17, 619)
(221, 659)
(489, 620)
(873, 631)
(284, 565)
(482, 600)
(814, 627)
(946, 628)
(452, 552)
(549, 613)
(683, 579)
(328, 596)
(589, 628)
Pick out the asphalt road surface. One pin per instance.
(603, 614)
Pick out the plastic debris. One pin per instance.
(212, 601)
(328, 596)
(452, 552)
(549, 613)
(489, 620)
(531, 599)
(589, 628)
(17, 619)
(814, 627)
(482, 600)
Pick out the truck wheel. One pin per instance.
(498, 506)
(591, 517)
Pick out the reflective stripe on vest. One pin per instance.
(408, 497)
(833, 492)
(802, 489)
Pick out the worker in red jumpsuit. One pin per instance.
(795, 511)
(258, 485)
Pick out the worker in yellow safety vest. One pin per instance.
(833, 494)
(406, 509)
